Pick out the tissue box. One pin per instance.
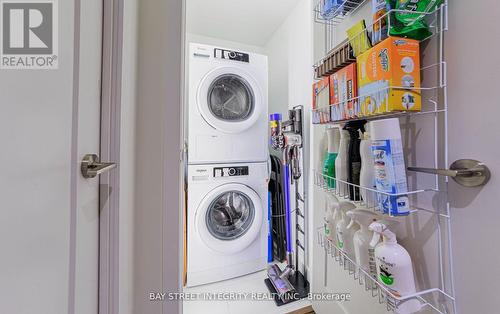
(321, 101)
(343, 88)
(387, 74)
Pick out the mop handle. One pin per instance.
(288, 215)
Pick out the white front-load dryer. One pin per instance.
(228, 106)
(227, 221)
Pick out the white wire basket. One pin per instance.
(338, 13)
(376, 30)
(435, 299)
(367, 197)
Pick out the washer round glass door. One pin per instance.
(229, 99)
(229, 218)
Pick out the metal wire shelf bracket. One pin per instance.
(378, 290)
(338, 13)
(442, 298)
(433, 18)
(366, 197)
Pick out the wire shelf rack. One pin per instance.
(434, 99)
(376, 31)
(366, 197)
(375, 288)
(351, 107)
(337, 13)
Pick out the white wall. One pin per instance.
(290, 56)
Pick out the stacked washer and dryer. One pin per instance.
(227, 223)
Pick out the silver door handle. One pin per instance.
(91, 166)
(466, 172)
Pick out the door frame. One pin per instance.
(109, 184)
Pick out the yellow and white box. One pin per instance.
(389, 77)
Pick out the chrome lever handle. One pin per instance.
(466, 172)
(92, 167)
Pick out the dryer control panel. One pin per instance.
(231, 55)
(230, 172)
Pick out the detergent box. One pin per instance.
(321, 101)
(343, 93)
(387, 76)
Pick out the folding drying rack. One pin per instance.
(439, 299)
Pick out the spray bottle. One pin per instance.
(394, 267)
(322, 153)
(331, 216)
(344, 235)
(333, 150)
(367, 175)
(354, 163)
(342, 161)
(362, 237)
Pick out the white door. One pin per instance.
(49, 215)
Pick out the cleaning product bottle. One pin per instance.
(333, 150)
(321, 153)
(389, 163)
(341, 169)
(331, 216)
(354, 164)
(362, 237)
(394, 267)
(367, 175)
(344, 239)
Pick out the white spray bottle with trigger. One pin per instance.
(332, 215)
(345, 235)
(342, 162)
(394, 267)
(367, 174)
(362, 237)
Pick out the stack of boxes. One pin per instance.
(384, 79)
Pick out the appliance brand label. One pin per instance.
(231, 55)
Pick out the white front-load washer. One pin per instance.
(227, 222)
(228, 106)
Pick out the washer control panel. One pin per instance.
(231, 55)
(230, 172)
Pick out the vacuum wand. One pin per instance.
(287, 137)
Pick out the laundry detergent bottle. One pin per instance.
(362, 237)
(341, 163)
(344, 236)
(333, 135)
(331, 216)
(394, 267)
(367, 175)
(389, 165)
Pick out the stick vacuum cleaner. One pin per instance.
(289, 284)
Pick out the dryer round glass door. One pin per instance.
(229, 218)
(230, 100)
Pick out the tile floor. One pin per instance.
(253, 283)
